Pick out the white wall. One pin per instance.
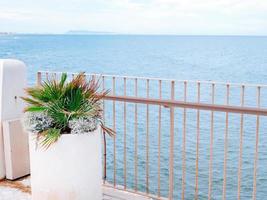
(12, 83)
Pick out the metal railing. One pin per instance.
(194, 111)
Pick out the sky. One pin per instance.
(181, 17)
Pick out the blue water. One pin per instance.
(201, 58)
(227, 59)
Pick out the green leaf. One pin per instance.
(31, 101)
(34, 109)
(49, 137)
(62, 80)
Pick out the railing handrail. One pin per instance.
(162, 79)
(192, 105)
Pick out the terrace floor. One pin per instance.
(21, 190)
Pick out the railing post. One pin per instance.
(114, 128)
(226, 144)
(171, 144)
(147, 139)
(39, 78)
(104, 137)
(211, 145)
(159, 138)
(254, 194)
(184, 145)
(124, 137)
(135, 139)
(240, 145)
(197, 142)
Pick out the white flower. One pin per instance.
(37, 121)
(83, 125)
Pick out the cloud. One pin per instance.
(142, 16)
(14, 15)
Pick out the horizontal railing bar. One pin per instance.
(192, 105)
(164, 79)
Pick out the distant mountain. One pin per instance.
(83, 32)
(6, 33)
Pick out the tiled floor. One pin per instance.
(20, 190)
(15, 190)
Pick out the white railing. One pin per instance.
(183, 115)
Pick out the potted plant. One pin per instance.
(64, 121)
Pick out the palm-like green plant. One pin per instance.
(64, 101)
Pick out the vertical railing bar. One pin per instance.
(114, 128)
(135, 138)
(211, 145)
(55, 76)
(47, 76)
(184, 144)
(103, 133)
(240, 144)
(124, 137)
(147, 140)
(159, 137)
(197, 142)
(58, 75)
(105, 157)
(256, 147)
(226, 143)
(39, 78)
(171, 157)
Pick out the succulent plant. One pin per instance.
(83, 125)
(61, 107)
(37, 121)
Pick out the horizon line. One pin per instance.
(133, 34)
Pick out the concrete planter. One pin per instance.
(70, 169)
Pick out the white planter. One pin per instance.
(70, 169)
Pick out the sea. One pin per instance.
(229, 59)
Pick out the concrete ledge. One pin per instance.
(118, 193)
